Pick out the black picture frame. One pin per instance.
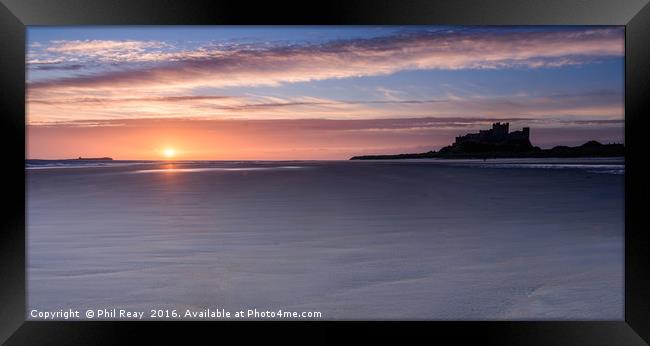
(15, 15)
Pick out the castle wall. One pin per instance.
(498, 133)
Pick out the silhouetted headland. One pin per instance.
(498, 142)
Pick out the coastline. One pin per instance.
(591, 149)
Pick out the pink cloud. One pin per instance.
(70, 108)
(164, 89)
(341, 59)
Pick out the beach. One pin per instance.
(415, 240)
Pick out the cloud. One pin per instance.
(448, 50)
(106, 50)
(57, 66)
(170, 84)
(93, 54)
(603, 104)
(95, 47)
(336, 125)
(100, 100)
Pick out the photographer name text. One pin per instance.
(170, 314)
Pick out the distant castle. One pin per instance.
(498, 134)
(498, 142)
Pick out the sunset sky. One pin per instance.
(267, 93)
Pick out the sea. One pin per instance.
(506, 239)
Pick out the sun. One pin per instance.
(169, 153)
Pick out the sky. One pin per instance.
(309, 92)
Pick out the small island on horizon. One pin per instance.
(498, 142)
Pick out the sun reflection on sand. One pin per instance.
(171, 169)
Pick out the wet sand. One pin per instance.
(353, 240)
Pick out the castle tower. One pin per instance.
(499, 129)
